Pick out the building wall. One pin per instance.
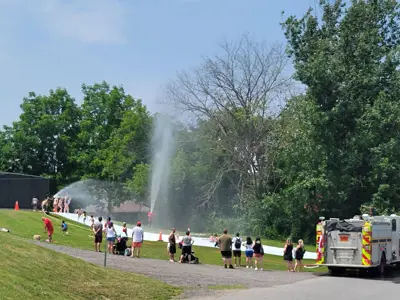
(22, 189)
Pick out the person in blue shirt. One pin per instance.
(64, 227)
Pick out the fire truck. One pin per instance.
(362, 242)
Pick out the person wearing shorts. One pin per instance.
(187, 242)
(172, 245)
(98, 234)
(48, 226)
(237, 252)
(225, 246)
(110, 233)
(249, 252)
(137, 239)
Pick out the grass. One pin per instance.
(26, 224)
(33, 272)
(227, 287)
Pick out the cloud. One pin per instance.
(88, 21)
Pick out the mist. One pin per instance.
(164, 146)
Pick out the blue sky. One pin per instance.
(138, 44)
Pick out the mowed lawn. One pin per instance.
(26, 224)
(36, 273)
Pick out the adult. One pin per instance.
(172, 245)
(237, 252)
(35, 203)
(67, 203)
(258, 254)
(124, 229)
(187, 242)
(288, 255)
(299, 254)
(98, 234)
(137, 239)
(48, 227)
(249, 252)
(225, 246)
(150, 216)
(110, 235)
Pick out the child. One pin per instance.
(91, 225)
(64, 227)
(84, 217)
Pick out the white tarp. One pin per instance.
(198, 241)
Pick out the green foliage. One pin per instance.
(330, 151)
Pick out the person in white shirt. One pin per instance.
(35, 203)
(137, 239)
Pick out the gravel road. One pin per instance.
(194, 277)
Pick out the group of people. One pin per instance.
(55, 204)
(254, 251)
(99, 230)
(49, 228)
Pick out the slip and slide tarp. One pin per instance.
(342, 226)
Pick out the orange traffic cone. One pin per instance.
(160, 237)
(16, 207)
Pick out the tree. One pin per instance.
(232, 95)
(349, 62)
(42, 140)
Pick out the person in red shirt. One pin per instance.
(150, 216)
(48, 226)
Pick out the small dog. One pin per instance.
(36, 237)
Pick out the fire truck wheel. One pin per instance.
(382, 265)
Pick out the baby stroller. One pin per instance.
(193, 259)
(120, 246)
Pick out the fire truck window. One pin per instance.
(394, 225)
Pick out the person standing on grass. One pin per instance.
(258, 254)
(187, 242)
(98, 234)
(237, 252)
(91, 222)
(172, 245)
(35, 203)
(249, 252)
(299, 254)
(110, 234)
(48, 227)
(225, 246)
(124, 229)
(288, 255)
(137, 239)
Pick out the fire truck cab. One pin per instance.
(362, 242)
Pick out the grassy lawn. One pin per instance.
(33, 272)
(26, 224)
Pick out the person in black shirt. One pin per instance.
(288, 254)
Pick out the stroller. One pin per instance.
(121, 245)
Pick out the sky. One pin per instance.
(139, 44)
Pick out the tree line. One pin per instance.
(257, 155)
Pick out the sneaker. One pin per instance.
(255, 269)
(225, 266)
(231, 267)
(235, 265)
(262, 269)
(247, 267)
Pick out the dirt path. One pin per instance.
(196, 278)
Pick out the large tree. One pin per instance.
(233, 96)
(349, 61)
